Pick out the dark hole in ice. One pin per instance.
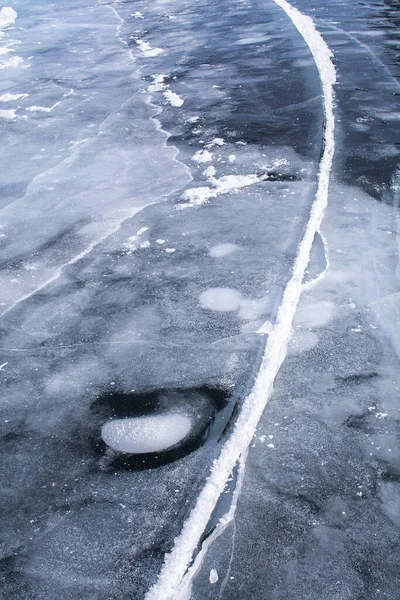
(205, 410)
(273, 176)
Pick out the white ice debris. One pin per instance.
(14, 61)
(170, 250)
(202, 156)
(209, 172)
(216, 142)
(8, 114)
(158, 84)
(145, 434)
(223, 185)
(7, 16)
(174, 100)
(213, 576)
(147, 50)
(134, 241)
(11, 97)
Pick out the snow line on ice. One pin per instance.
(178, 560)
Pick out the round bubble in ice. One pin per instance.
(222, 250)
(141, 435)
(221, 299)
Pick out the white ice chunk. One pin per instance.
(221, 299)
(8, 114)
(228, 183)
(202, 156)
(7, 16)
(147, 50)
(158, 84)
(14, 61)
(210, 172)
(222, 250)
(223, 185)
(197, 196)
(11, 97)
(216, 142)
(174, 100)
(134, 241)
(145, 434)
(213, 576)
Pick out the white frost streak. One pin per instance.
(177, 562)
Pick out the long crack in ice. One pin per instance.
(176, 563)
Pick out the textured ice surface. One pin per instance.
(101, 276)
(145, 434)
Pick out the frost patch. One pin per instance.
(221, 299)
(222, 250)
(314, 315)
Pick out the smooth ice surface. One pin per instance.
(145, 434)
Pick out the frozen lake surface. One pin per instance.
(163, 170)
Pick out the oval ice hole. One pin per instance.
(145, 434)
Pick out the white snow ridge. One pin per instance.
(176, 563)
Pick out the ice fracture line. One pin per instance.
(176, 563)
